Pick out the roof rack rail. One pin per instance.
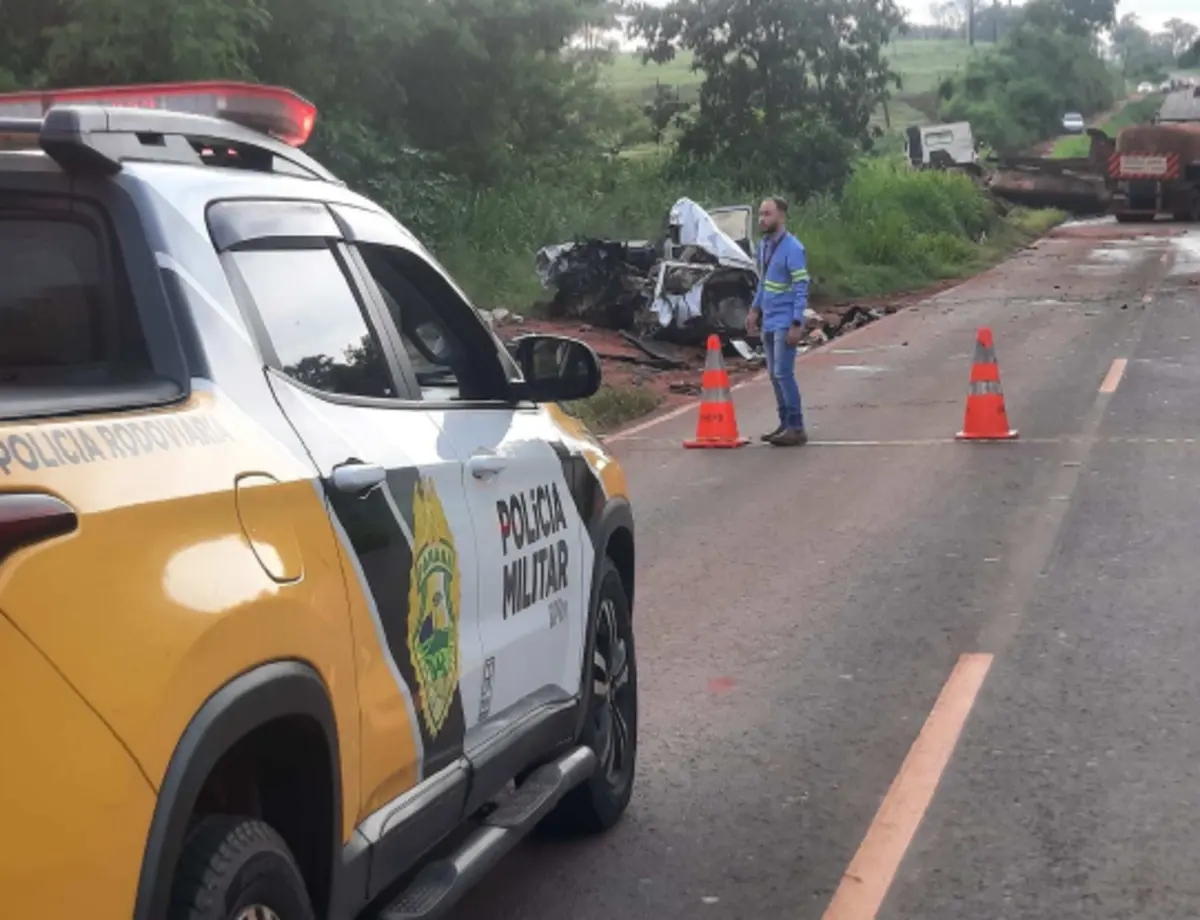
(97, 139)
(30, 126)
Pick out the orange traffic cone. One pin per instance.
(986, 418)
(717, 425)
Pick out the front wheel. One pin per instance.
(237, 869)
(610, 728)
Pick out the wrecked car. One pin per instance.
(699, 279)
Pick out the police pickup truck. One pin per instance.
(313, 602)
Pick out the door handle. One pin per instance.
(356, 478)
(485, 466)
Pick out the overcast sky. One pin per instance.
(1152, 13)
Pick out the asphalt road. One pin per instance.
(801, 610)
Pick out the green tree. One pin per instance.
(664, 110)
(24, 25)
(476, 88)
(1015, 93)
(97, 42)
(1075, 17)
(785, 81)
(598, 26)
(1182, 35)
(1191, 57)
(1140, 53)
(493, 84)
(766, 59)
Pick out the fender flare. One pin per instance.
(249, 701)
(616, 515)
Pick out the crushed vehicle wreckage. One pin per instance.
(698, 280)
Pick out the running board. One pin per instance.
(440, 884)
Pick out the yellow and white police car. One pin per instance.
(312, 601)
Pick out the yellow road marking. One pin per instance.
(1113, 378)
(865, 884)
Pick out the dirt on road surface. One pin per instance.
(800, 612)
(625, 365)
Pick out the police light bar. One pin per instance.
(272, 110)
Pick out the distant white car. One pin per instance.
(1073, 123)
(1145, 87)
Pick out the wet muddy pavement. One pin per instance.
(800, 611)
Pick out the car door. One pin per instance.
(736, 222)
(530, 541)
(393, 483)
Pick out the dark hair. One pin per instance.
(780, 203)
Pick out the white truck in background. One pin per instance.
(946, 146)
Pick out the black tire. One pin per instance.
(230, 865)
(1135, 217)
(598, 804)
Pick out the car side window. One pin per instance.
(451, 351)
(315, 324)
(64, 319)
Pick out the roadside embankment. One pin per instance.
(890, 236)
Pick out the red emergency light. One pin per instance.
(272, 110)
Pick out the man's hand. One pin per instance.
(752, 320)
(795, 335)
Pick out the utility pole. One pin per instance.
(996, 21)
(971, 22)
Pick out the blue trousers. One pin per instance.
(781, 365)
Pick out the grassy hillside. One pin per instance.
(923, 63)
(630, 79)
(920, 63)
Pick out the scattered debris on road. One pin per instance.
(672, 370)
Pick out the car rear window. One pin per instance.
(61, 320)
(67, 320)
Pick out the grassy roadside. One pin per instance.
(1134, 112)
(894, 231)
(614, 406)
(891, 229)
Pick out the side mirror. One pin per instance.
(555, 368)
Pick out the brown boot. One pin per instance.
(770, 435)
(792, 437)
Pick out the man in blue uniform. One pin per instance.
(778, 311)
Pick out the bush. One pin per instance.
(800, 158)
(891, 228)
(487, 238)
(894, 228)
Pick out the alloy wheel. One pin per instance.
(613, 699)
